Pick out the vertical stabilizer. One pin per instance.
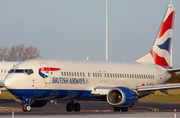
(161, 51)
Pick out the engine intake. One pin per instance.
(121, 96)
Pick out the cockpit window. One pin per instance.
(19, 71)
(28, 71)
(25, 71)
(12, 70)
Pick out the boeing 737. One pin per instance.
(121, 84)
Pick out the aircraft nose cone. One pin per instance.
(10, 82)
(7, 83)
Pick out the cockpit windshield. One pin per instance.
(25, 71)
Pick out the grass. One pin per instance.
(6, 95)
(173, 97)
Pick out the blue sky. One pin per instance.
(73, 29)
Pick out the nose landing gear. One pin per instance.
(26, 108)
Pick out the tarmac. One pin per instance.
(89, 110)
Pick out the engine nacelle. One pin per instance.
(121, 96)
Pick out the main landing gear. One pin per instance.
(71, 106)
(123, 109)
(26, 108)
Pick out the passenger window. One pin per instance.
(69, 73)
(88, 74)
(107, 74)
(104, 74)
(62, 73)
(72, 74)
(80, 74)
(83, 75)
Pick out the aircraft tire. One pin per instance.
(69, 107)
(26, 108)
(77, 107)
(117, 109)
(23, 108)
(124, 109)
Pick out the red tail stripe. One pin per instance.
(159, 60)
(168, 24)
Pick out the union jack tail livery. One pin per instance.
(161, 52)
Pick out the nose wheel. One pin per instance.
(71, 106)
(26, 108)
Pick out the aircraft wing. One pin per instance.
(100, 91)
(158, 87)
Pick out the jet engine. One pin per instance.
(121, 96)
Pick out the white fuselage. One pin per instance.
(84, 75)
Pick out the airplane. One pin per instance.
(121, 84)
(5, 67)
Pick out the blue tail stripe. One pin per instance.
(165, 45)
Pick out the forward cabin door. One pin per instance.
(46, 72)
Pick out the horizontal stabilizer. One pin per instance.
(173, 70)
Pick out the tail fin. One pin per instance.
(161, 52)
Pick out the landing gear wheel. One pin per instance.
(26, 108)
(117, 109)
(124, 109)
(69, 107)
(77, 107)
